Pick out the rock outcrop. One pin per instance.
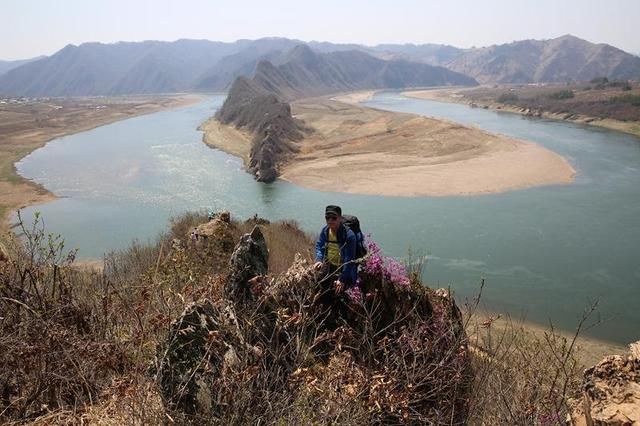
(611, 392)
(250, 260)
(260, 104)
(270, 343)
(250, 106)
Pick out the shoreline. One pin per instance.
(454, 96)
(589, 350)
(362, 150)
(226, 138)
(84, 114)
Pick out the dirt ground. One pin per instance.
(588, 106)
(368, 151)
(28, 125)
(227, 138)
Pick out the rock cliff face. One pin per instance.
(250, 106)
(260, 104)
(611, 392)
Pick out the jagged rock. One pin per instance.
(249, 259)
(203, 344)
(181, 363)
(635, 349)
(4, 257)
(223, 356)
(216, 231)
(611, 392)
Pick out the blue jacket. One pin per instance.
(347, 243)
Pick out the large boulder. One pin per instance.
(611, 392)
(249, 260)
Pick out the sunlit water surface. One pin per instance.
(545, 253)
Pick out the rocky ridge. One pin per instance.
(563, 59)
(356, 361)
(260, 104)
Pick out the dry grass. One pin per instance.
(81, 346)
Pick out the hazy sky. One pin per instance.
(35, 27)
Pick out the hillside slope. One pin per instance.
(562, 59)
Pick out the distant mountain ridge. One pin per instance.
(306, 73)
(563, 59)
(260, 104)
(6, 66)
(202, 65)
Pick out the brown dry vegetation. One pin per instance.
(27, 126)
(80, 345)
(587, 99)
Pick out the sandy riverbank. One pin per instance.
(233, 141)
(26, 127)
(457, 95)
(366, 151)
(362, 150)
(355, 97)
(484, 325)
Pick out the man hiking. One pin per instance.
(335, 252)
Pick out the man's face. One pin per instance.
(333, 221)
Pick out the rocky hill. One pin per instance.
(259, 104)
(562, 59)
(249, 105)
(220, 322)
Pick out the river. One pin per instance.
(545, 253)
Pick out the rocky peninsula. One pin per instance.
(283, 124)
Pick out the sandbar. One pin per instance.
(367, 151)
(229, 139)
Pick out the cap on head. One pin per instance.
(333, 210)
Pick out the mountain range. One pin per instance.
(6, 66)
(563, 59)
(202, 65)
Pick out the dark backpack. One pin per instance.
(353, 223)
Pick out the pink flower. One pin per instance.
(387, 268)
(354, 293)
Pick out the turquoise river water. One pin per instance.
(545, 253)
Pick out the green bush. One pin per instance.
(562, 94)
(507, 97)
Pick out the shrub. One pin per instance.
(507, 97)
(562, 94)
(76, 346)
(600, 80)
